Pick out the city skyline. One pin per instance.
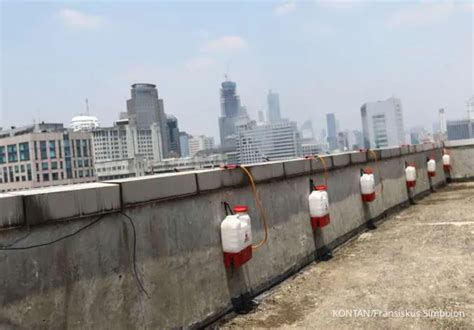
(72, 62)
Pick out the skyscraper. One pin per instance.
(382, 123)
(231, 114)
(145, 109)
(332, 131)
(442, 121)
(174, 149)
(273, 114)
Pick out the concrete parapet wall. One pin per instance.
(462, 156)
(86, 281)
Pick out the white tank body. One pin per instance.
(446, 160)
(367, 184)
(431, 165)
(231, 234)
(410, 173)
(318, 203)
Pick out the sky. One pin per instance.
(321, 57)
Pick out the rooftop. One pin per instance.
(417, 260)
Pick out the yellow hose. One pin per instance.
(374, 155)
(259, 206)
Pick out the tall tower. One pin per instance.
(442, 121)
(145, 109)
(273, 114)
(231, 112)
(332, 131)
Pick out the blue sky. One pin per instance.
(320, 56)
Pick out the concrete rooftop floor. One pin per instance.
(420, 261)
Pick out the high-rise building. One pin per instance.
(382, 123)
(442, 121)
(44, 155)
(184, 144)
(145, 109)
(332, 131)
(174, 148)
(232, 114)
(460, 129)
(261, 116)
(273, 113)
(470, 108)
(258, 142)
(200, 143)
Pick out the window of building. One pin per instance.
(78, 148)
(23, 178)
(17, 169)
(38, 178)
(84, 148)
(44, 166)
(12, 153)
(54, 165)
(28, 171)
(79, 163)
(3, 158)
(81, 173)
(36, 150)
(55, 176)
(24, 151)
(52, 149)
(5, 175)
(45, 177)
(43, 150)
(60, 149)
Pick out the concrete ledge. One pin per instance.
(11, 211)
(217, 178)
(358, 157)
(297, 167)
(412, 148)
(459, 143)
(341, 160)
(419, 148)
(396, 152)
(404, 150)
(69, 202)
(317, 165)
(156, 187)
(266, 171)
(427, 146)
(385, 153)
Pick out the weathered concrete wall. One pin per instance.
(87, 280)
(462, 155)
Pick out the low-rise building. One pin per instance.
(44, 155)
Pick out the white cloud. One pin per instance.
(71, 17)
(284, 8)
(226, 43)
(421, 14)
(198, 63)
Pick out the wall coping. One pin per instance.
(73, 201)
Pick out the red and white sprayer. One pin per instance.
(431, 167)
(236, 233)
(367, 185)
(319, 207)
(410, 175)
(446, 162)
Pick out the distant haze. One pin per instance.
(319, 56)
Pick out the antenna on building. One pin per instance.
(226, 77)
(87, 106)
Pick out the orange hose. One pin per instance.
(258, 203)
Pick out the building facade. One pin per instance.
(382, 123)
(460, 129)
(332, 131)
(232, 115)
(259, 142)
(174, 147)
(273, 112)
(35, 158)
(144, 110)
(200, 143)
(184, 144)
(122, 168)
